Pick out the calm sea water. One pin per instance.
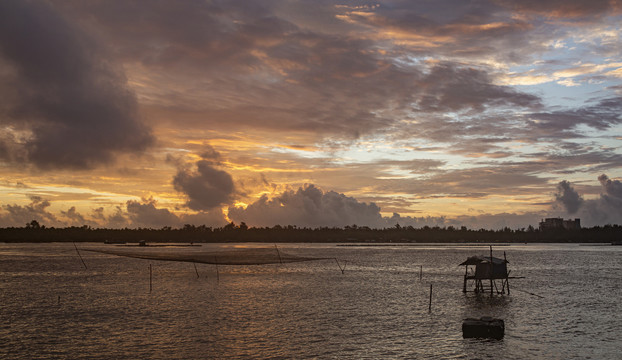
(51, 307)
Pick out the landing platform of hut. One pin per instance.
(485, 327)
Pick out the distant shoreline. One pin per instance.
(407, 236)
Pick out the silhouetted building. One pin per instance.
(559, 223)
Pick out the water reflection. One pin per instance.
(378, 308)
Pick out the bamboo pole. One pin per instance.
(491, 271)
(83, 263)
(430, 305)
(466, 273)
(507, 276)
(343, 269)
(195, 269)
(530, 293)
(279, 254)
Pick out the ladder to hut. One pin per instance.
(489, 274)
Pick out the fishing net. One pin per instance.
(255, 256)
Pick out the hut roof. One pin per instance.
(474, 260)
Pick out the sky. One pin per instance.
(484, 114)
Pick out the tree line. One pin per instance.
(34, 232)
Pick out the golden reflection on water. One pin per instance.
(378, 308)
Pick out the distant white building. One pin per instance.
(559, 223)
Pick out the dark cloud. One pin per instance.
(613, 192)
(133, 214)
(606, 209)
(117, 220)
(594, 9)
(146, 214)
(498, 221)
(312, 207)
(74, 218)
(66, 105)
(416, 222)
(16, 215)
(568, 197)
(184, 33)
(452, 88)
(457, 29)
(210, 154)
(206, 188)
(592, 159)
(254, 67)
(308, 207)
(563, 123)
(552, 133)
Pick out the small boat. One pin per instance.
(108, 241)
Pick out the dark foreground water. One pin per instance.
(51, 307)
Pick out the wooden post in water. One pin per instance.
(150, 277)
(466, 273)
(420, 272)
(430, 306)
(507, 275)
(491, 271)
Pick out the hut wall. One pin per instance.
(483, 271)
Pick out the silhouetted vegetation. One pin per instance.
(34, 232)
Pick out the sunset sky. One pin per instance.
(311, 113)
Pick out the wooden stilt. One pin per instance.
(195, 269)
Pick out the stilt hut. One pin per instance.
(487, 271)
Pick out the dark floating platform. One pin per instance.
(485, 327)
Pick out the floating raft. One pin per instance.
(485, 327)
(255, 256)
